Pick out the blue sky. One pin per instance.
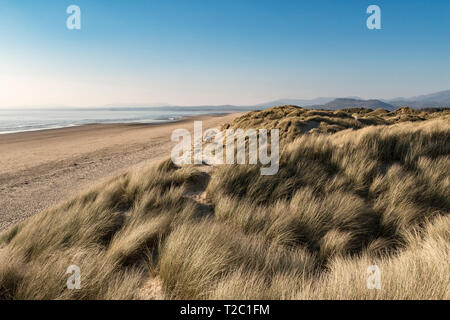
(192, 52)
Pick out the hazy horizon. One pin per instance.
(218, 53)
(167, 104)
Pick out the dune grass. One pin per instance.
(372, 190)
(112, 233)
(293, 120)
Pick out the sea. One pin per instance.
(34, 119)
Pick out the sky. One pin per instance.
(216, 52)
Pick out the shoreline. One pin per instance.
(39, 169)
(137, 122)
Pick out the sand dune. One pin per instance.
(366, 198)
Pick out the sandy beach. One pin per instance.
(41, 168)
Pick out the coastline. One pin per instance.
(135, 122)
(39, 169)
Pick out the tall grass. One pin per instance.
(365, 195)
(112, 233)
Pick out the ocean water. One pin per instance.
(21, 120)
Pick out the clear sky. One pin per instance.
(192, 52)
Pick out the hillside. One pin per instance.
(355, 188)
(345, 103)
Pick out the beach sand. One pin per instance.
(42, 168)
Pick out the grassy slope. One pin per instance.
(339, 203)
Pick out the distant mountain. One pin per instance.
(344, 103)
(331, 103)
(441, 96)
(420, 104)
(137, 105)
(433, 100)
(301, 102)
(296, 102)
